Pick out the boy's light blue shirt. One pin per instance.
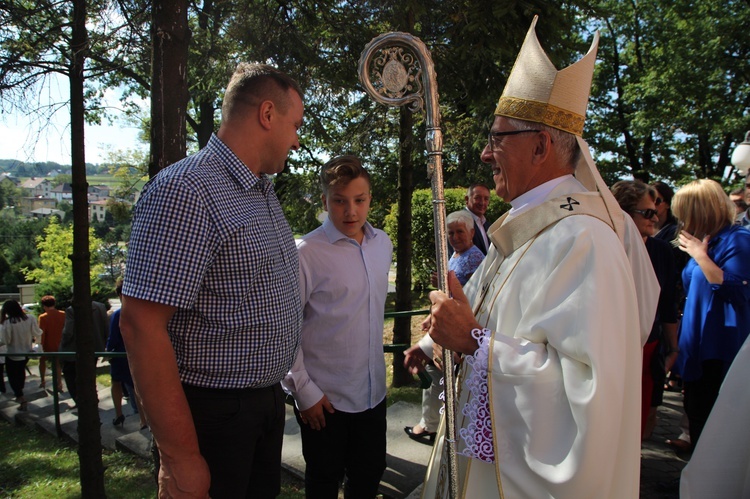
(343, 286)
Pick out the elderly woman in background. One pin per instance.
(17, 332)
(466, 257)
(716, 318)
(637, 199)
(465, 260)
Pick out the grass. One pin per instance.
(38, 465)
(34, 464)
(412, 393)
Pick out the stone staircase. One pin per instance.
(406, 459)
(40, 414)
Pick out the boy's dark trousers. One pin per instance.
(351, 446)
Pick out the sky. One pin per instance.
(27, 138)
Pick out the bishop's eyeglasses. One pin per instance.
(494, 139)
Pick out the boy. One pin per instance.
(338, 378)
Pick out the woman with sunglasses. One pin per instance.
(637, 199)
(716, 279)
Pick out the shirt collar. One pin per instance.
(477, 218)
(244, 177)
(720, 235)
(334, 234)
(535, 196)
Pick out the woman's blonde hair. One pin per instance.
(702, 208)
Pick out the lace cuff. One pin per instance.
(477, 436)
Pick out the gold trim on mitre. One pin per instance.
(537, 91)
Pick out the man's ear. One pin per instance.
(542, 147)
(325, 202)
(266, 112)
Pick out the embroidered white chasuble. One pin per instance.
(563, 362)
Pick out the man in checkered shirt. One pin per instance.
(211, 310)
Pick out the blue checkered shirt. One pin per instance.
(209, 237)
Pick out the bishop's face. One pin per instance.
(510, 160)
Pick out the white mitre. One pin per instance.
(536, 91)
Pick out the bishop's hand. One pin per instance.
(452, 318)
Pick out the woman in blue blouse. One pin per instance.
(716, 318)
(464, 261)
(466, 257)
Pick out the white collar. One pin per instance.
(535, 196)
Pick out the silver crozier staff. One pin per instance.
(404, 74)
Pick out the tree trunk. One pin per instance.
(402, 325)
(169, 95)
(90, 441)
(205, 126)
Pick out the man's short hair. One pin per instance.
(460, 216)
(48, 301)
(474, 186)
(340, 171)
(566, 144)
(252, 84)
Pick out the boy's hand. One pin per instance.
(314, 416)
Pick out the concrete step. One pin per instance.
(41, 414)
(406, 459)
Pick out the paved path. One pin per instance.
(406, 459)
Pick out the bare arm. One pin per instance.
(183, 472)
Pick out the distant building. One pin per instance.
(47, 212)
(37, 187)
(29, 204)
(97, 210)
(7, 177)
(63, 192)
(98, 192)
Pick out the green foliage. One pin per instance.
(671, 93)
(130, 170)
(9, 193)
(63, 178)
(299, 195)
(422, 227)
(54, 275)
(18, 247)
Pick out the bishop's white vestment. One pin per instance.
(558, 367)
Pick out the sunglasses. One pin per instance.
(647, 214)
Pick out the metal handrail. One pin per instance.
(56, 356)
